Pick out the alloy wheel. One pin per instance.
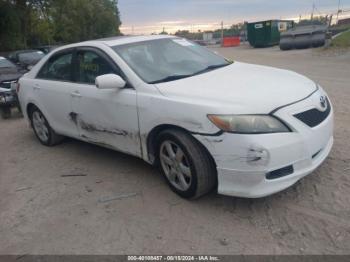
(40, 127)
(175, 165)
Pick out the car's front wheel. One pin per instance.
(42, 129)
(186, 165)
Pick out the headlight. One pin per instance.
(248, 124)
(2, 99)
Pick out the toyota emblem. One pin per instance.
(323, 101)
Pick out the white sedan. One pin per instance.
(208, 123)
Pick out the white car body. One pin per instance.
(126, 119)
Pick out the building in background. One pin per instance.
(208, 36)
(345, 21)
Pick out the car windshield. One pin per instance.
(165, 60)
(4, 63)
(31, 56)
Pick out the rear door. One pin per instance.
(106, 117)
(54, 86)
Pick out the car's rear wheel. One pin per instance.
(43, 131)
(186, 165)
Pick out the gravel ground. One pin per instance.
(55, 200)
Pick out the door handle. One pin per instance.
(36, 87)
(76, 94)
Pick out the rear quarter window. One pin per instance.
(58, 67)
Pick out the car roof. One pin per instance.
(4, 58)
(113, 41)
(120, 40)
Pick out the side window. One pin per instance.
(58, 68)
(12, 57)
(90, 66)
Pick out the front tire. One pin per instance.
(186, 165)
(43, 131)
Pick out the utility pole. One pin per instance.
(313, 10)
(222, 32)
(330, 20)
(338, 12)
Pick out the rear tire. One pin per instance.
(42, 130)
(186, 165)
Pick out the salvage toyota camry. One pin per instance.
(208, 123)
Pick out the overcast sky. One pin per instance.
(147, 16)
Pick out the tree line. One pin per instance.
(31, 23)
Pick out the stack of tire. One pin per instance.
(302, 37)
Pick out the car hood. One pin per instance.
(9, 74)
(244, 88)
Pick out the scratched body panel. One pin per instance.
(107, 116)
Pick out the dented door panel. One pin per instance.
(107, 117)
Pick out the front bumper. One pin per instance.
(253, 184)
(8, 97)
(243, 161)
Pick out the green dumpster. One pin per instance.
(267, 33)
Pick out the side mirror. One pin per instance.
(29, 67)
(109, 81)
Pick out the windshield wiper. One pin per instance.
(209, 68)
(177, 77)
(169, 78)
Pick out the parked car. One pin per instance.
(246, 130)
(26, 59)
(47, 48)
(9, 74)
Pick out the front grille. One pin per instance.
(314, 117)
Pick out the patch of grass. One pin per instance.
(342, 40)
